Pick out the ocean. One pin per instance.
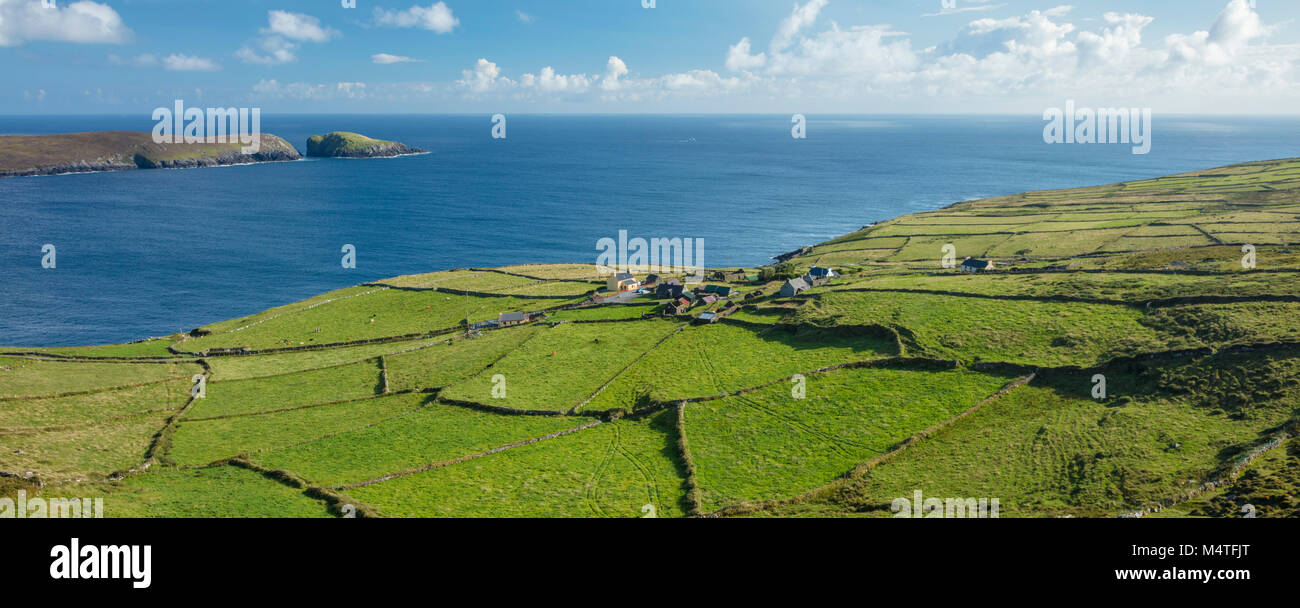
(149, 253)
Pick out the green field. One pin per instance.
(612, 470)
(564, 365)
(916, 377)
(770, 445)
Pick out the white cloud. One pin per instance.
(614, 69)
(351, 90)
(282, 36)
(1232, 32)
(739, 58)
(800, 18)
(271, 50)
(177, 62)
(486, 76)
(385, 58)
(525, 17)
(1017, 64)
(24, 21)
(967, 7)
(435, 18)
(297, 26)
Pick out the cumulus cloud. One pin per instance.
(484, 77)
(525, 17)
(614, 69)
(297, 26)
(435, 18)
(177, 62)
(282, 36)
(271, 50)
(800, 18)
(1232, 32)
(385, 58)
(739, 58)
(23, 21)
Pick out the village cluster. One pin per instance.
(713, 296)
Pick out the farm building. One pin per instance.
(652, 280)
(974, 265)
(793, 287)
(820, 272)
(678, 306)
(815, 281)
(717, 290)
(507, 319)
(730, 275)
(622, 281)
(670, 290)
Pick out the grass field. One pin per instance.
(1050, 449)
(437, 433)
(226, 398)
(205, 441)
(558, 369)
(34, 378)
(713, 359)
(612, 470)
(770, 445)
(205, 492)
(1145, 283)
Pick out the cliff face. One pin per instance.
(342, 144)
(27, 155)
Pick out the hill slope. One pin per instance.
(1136, 349)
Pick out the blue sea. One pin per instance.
(148, 253)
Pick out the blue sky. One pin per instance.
(810, 56)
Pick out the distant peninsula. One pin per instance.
(26, 155)
(343, 144)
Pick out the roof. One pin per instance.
(818, 271)
(707, 316)
(624, 276)
(797, 283)
(513, 316)
(974, 263)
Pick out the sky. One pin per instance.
(677, 56)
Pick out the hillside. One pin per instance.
(25, 155)
(897, 376)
